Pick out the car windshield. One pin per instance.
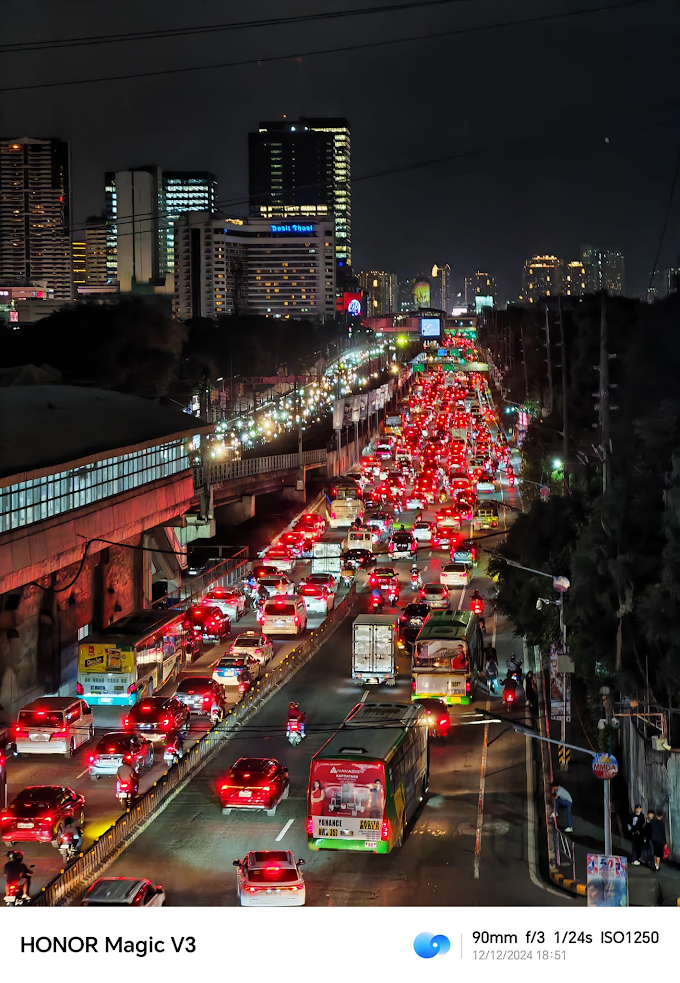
(34, 800)
(194, 685)
(422, 525)
(273, 875)
(114, 744)
(250, 771)
(40, 718)
(248, 641)
(434, 590)
(416, 610)
(276, 610)
(231, 662)
(271, 581)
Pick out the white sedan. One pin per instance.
(422, 531)
(456, 575)
(318, 598)
(230, 601)
(415, 501)
(253, 643)
(277, 584)
(269, 878)
(486, 487)
(281, 557)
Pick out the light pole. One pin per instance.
(561, 585)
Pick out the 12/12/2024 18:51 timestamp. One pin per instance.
(518, 955)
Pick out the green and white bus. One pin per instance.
(368, 779)
(448, 657)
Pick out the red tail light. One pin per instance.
(79, 689)
(92, 758)
(166, 723)
(413, 685)
(509, 696)
(467, 686)
(265, 788)
(297, 619)
(310, 826)
(385, 831)
(48, 819)
(126, 722)
(444, 722)
(20, 732)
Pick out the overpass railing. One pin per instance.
(218, 473)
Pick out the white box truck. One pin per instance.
(374, 649)
(327, 558)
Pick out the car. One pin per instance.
(486, 487)
(422, 531)
(445, 539)
(285, 615)
(281, 558)
(230, 667)
(230, 600)
(359, 558)
(384, 577)
(264, 570)
(277, 584)
(296, 541)
(402, 545)
(456, 574)
(254, 783)
(381, 523)
(208, 622)
(269, 878)
(436, 595)
(323, 580)
(436, 716)
(415, 500)
(465, 552)
(255, 644)
(200, 694)
(39, 813)
(312, 523)
(318, 598)
(448, 517)
(411, 621)
(117, 747)
(121, 892)
(157, 716)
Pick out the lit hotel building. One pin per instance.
(542, 278)
(255, 266)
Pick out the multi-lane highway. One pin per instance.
(477, 839)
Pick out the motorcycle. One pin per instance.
(416, 581)
(216, 715)
(294, 732)
(69, 847)
(14, 893)
(126, 792)
(515, 671)
(377, 604)
(508, 697)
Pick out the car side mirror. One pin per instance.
(301, 863)
(236, 863)
(87, 711)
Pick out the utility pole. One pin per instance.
(565, 410)
(548, 360)
(603, 404)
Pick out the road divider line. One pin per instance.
(480, 800)
(364, 695)
(83, 772)
(284, 830)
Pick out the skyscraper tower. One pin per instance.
(303, 168)
(135, 212)
(185, 191)
(35, 213)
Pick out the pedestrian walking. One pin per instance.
(563, 800)
(657, 837)
(491, 674)
(636, 828)
(531, 693)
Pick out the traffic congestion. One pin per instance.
(404, 530)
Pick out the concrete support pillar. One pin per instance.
(236, 512)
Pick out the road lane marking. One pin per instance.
(284, 830)
(84, 772)
(364, 695)
(480, 800)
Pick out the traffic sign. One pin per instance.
(605, 766)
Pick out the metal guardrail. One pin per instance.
(229, 470)
(225, 574)
(75, 879)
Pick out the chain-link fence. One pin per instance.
(73, 880)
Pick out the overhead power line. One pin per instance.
(343, 49)
(671, 196)
(245, 25)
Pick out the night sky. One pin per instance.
(575, 121)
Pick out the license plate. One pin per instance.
(246, 794)
(146, 726)
(281, 624)
(25, 825)
(40, 737)
(369, 844)
(326, 831)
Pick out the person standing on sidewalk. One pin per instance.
(657, 837)
(491, 674)
(636, 828)
(562, 800)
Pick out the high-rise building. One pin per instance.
(440, 286)
(576, 279)
(606, 269)
(479, 285)
(185, 191)
(135, 212)
(281, 269)
(35, 213)
(542, 278)
(90, 254)
(405, 295)
(381, 291)
(302, 168)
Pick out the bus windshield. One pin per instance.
(451, 656)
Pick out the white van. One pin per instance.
(358, 539)
(54, 725)
(284, 616)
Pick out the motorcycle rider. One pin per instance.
(509, 688)
(16, 872)
(174, 742)
(295, 715)
(514, 666)
(377, 597)
(416, 580)
(72, 837)
(126, 773)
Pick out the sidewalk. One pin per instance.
(588, 820)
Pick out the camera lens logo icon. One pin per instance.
(428, 945)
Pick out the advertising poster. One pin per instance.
(421, 293)
(363, 413)
(607, 881)
(373, 401)
(103, 658)
(347, 799)
(342, 413)
(352, 304)
(356, 409)
(430, 327)
(558, 681)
